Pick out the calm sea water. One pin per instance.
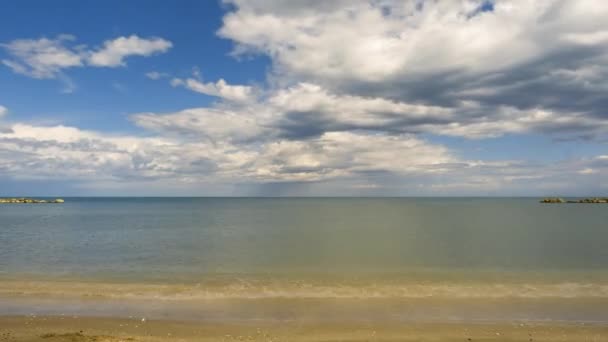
(181, 239)
(389, 249)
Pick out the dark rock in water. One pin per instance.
(23, 200)
(552, 200)
(585, 200)
(594, 200)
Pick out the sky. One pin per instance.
(304, 98)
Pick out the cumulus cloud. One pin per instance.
(344, 154)
(527, 57)
(45, 58)
(42, 58)
(366, 162)
(355, 84)
(59, 152)
(212, 124)
(307, 110)
(358, 93)
(376, 40)
(115, 51)
(221, 88)
(3, 111)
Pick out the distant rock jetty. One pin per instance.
(29, 201)
(586, 200)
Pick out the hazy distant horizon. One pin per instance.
(296, 197)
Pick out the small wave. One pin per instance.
(301, 290)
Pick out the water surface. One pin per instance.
(396, 249)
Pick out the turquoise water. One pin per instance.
(192, 239)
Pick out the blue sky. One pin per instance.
(103, 98)
(311, 98)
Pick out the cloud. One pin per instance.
(515, 56)
(220, 125)
(587, 171)
(115, 51)
(308, 110)
(345, 154)
(46, 58)
(347, 162)
(155, 75)
(379, 40)
(236, 93)
(359, 97)
(373, 41)
(59, 152)
(3, 111)
(42, 58)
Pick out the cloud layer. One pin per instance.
(358, 93)
(524, 56)
(348, 162)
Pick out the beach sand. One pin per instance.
(77, 329)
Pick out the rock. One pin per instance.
(553, 200)
(593, 200)
(28, 201)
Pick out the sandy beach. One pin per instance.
(77, 329)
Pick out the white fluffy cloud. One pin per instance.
(357, 95)
(42, 58)
(528, 65)
(344, 154)
(115, 51)
(211, 124)
(376, 40)
(46, 58)
(237, 93)
(398, 164)
(59, 152)
(3, 111)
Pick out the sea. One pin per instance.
(308, 259)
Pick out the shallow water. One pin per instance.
(201, 249)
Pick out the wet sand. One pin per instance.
(33, 311)
(79, 329)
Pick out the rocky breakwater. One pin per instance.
(553, 200)
(585, 200)
(29, 201)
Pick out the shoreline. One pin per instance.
(405, 303)
(81, 329)
(294, 288)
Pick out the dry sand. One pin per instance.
(78, 329)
